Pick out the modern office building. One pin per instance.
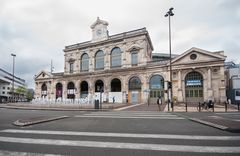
(122, 66)
(6, 80)
(232, 71)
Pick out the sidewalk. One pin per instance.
(63, 107)
(181, 107)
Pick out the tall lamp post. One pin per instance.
(13, 55)
(169, 14)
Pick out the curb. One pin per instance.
(28, 123)
(54, 109)
(209, 123)
(221, 127)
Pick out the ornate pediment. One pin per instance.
(43, 75)
(195, 55)
(133, 47)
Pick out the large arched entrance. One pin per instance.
(59, 89)
(134, 87)
(156, 86)
(116, 91)
(70, 90)
(115, 85)
(84, 89)
(44, 90)
(194, 87)
(99, 86)
(99, 89)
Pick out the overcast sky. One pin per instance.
(38, 30)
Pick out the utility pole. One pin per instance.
(169, 14)
(13, 55)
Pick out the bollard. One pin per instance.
(225, 106)
(213, 107)
(238, 106)
(186, 106)
(199, 107)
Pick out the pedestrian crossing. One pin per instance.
(44, 137)
(131, 115)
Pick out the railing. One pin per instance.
(86, 101)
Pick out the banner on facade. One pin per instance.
(194, 83)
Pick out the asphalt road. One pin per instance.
(115, 133)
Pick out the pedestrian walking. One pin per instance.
(159, 102)
(113, 99)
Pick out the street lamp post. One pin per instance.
(169, 14)
(13, 55)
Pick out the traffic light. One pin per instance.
(169, 85)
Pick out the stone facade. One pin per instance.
(122, 69)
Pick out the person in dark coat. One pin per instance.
(159, 102)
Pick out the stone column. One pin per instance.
(144, 88)
(124, 54)
(107, 88)
(77, 89)
(64, 89)
(49, 90)
(180, 90)
(222, 88)
(124, 89)
(107, 55)
(91, 61)
(209, 83)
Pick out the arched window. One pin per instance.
(134, 57)
(85, 62)
(156, 85)
(84, 89)
(71, 67)
(134, 83)
(116, 57)
(70, 90)
(44, 90)
(194, 79)
(59, 90)
(99, 60)
(115, 85)
(156, 82)
(194, 87)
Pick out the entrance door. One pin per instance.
(134, 97)
(156, 86)
(134, 86)
(194, 95)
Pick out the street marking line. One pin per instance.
(124, 135)
(209, 123)
(120, 145)
(228, 113)
(157, 113)
(160, 115)
(128, 117)
(134, 105)
(11, 153)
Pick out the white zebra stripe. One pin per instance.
(120, 145)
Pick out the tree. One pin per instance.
(21, 92)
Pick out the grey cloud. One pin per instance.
(38, 30)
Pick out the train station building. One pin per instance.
(123, 68)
